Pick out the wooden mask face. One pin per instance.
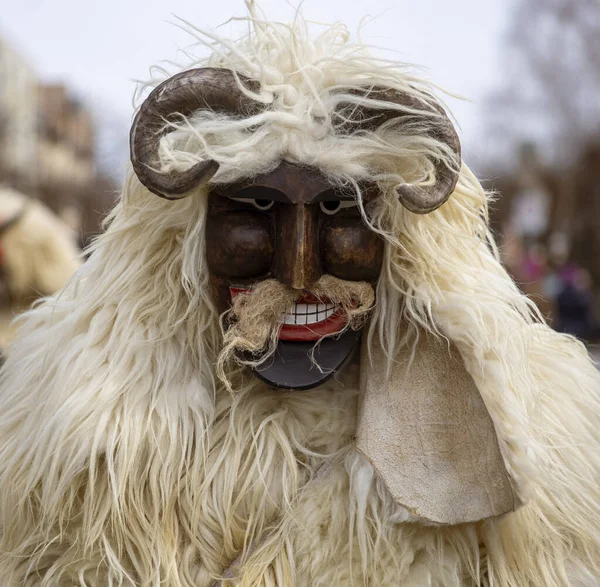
(293, 226)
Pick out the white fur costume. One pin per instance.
(38, 255)
(123, 462)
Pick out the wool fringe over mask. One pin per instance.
(124, 461)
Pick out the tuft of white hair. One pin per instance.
(123, 461)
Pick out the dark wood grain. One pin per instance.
(294, 241)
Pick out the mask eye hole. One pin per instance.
(331, 207)
(262, 204)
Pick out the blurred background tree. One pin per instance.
(544, 141)
(552, 78)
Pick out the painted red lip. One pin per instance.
(310, 318)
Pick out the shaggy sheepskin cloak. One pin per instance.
(124, 461)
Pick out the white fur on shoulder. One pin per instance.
(123, 463)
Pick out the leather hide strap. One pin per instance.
(429, 436)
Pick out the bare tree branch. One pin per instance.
(553, 75)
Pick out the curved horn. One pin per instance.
(210, 88)
(419, 200)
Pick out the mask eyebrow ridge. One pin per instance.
(255, 192)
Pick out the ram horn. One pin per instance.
(417, 199)
(207, 88)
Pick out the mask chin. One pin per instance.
(301, 366)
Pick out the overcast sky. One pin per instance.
(99, 46)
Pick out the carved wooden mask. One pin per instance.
(294, 226)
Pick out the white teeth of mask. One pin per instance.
(308, 313)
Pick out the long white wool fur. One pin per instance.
(123, 463)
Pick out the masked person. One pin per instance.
(294, 357)
(38, 255)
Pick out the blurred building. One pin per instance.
(47, 146)
(65, 147)
(18, 120)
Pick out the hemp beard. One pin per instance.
(251, 326)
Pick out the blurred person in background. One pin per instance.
(574, 304)
(531, 269)
(38, 255)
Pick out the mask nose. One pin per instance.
(297, 263)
